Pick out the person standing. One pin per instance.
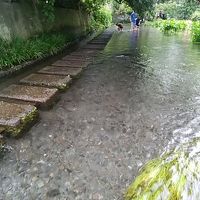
(133, 18)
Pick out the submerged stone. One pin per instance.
(85, 52)
(15, 118)
(65, 63)
(75, 59)
(102, 42)
(60, 82)
(2, 142)
(94, 46)
(73, 72)
(2, 129)
(174, 176)
(39, 96)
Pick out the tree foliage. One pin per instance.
(182, 9)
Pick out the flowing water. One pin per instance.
(138, 101)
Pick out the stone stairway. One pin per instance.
(20, 102)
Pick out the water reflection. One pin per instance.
(167, 74)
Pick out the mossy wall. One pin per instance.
(22, 18)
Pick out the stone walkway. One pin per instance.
(19, 102)
(92, 142)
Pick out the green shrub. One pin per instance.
(196, 15)
(101, 19)
(20, 50)
(195, 31)
(170, 26)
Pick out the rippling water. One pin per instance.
(166, 70)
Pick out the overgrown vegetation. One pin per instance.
(177, 9)
(100, 13)
(100, 19)
(20, 50)
(170, 26)
(195, 31)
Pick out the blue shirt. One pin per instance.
(133, 17)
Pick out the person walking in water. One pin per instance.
(133, 18)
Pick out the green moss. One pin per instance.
(25, 123)
(174, 176)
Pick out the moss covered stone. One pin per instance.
(174, 176)
(25, 123)
(72, 72)
(15, 118)
(55, 81)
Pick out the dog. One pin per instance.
(119, 27)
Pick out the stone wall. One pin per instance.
(21, 18)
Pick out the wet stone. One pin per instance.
(74, 59)
(63, 63)
(53, 193)
(87, 53)
(39, 96)
(73, 72)
(14, 117)
(2, 129)
(60, 82)
(94, 46)
(98, 42)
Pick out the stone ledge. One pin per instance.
(38, 96)
(15, 118)
(63, 71)
(47, 80)
(64, 63)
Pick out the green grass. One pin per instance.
(170, 26)
(195, 31)
(20, 50)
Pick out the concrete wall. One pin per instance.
(22, 18)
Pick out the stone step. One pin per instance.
(16, 118)
(65, 63)
(47, 80)
(38, 96)
(98, 42)
(86, 53)
(75, 58)
(94, 46)
(64, 71)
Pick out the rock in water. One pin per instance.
(173, 176)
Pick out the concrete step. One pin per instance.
(38, 96)
(47, 80)
(86, 53)
(94, 46)
(75, 58)
(16, 118)
(63, 71)
(65, 63)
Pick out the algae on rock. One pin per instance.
(173, 176)
(25, 122)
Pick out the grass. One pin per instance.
(195, 31)
(170, 26)
(21, 50)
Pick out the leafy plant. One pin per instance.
(20, 50)
(195, 31)
(196, 15)
(170, 26)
